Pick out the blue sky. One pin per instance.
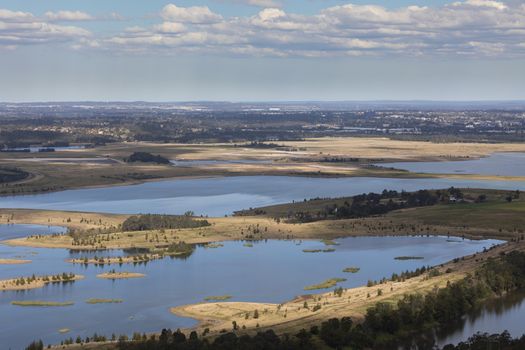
(261, 50)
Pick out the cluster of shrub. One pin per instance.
(156, 222)
(385, 326)
(146, 157)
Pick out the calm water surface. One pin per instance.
(507, 313)
(223, 195)
(12, 231)
(502, 164)
(249, 274)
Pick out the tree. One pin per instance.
(36, 345)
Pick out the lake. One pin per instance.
(500, 164)
(248, 274)
(219, 196)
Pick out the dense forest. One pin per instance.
(157, 222)
(385, 325)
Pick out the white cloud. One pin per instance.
(468, 27)
(68, 16)
(170, 27)
(23, 28)
(487, 3)
(193, 14)
(8, 15)
(271, 13)
(475, 27)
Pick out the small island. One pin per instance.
(104, 301)
(409, 258)
(25, 283)
(352, 269)
(329, 242)
(218, 298)
(113, 275)
(329, 283)
(14, 261)
(329, 250)
(39, 303)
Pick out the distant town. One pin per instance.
(27, 124)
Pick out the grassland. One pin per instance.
(70, 219)
(494, 218)
(105, 165)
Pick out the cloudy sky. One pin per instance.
(257, 50)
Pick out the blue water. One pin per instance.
(501, 164)
(11, 231)
(221, 196)
(271, 271)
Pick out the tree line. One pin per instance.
(369, 204)
(156, 222)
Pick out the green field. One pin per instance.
(495, 214)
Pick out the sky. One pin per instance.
(261, 50)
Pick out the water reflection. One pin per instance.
(494, 316)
